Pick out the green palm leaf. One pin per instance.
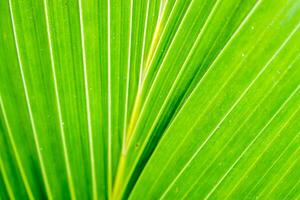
(175, 99)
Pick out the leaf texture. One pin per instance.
(154, 99)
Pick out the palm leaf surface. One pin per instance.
(150, 99)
